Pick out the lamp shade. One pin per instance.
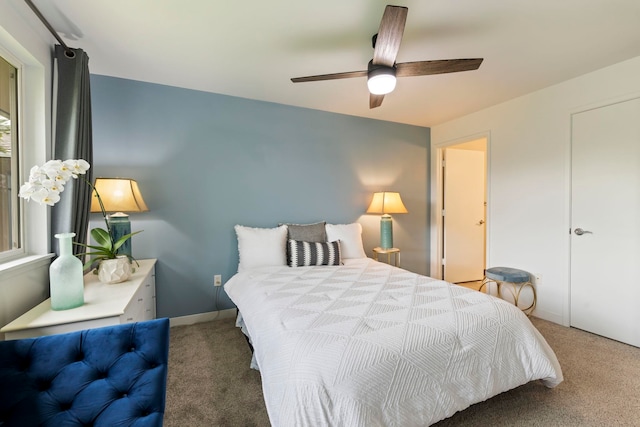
(387, 203)
(118, 195)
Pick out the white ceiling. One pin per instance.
(252, 48)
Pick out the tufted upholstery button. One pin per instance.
(24, 364)
(65, 406)
(43, 385)
(124, 395)
(132, 349)
(79, 356)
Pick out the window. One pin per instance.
(9, 183)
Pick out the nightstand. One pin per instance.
(133, 300)
(388, 251)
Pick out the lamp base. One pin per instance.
(121, 226)
(386, 231)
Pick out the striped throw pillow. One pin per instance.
(302, 254)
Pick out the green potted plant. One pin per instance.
(110, 266)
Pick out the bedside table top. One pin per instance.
(386, 250)
(100, 301)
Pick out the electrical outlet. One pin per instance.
(217, 280)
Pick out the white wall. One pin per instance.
(25, 41)
(529, 176)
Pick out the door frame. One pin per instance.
(437, 203)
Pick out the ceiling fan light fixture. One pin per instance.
(381, 80)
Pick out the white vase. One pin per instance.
(114, 270)
(66, 279)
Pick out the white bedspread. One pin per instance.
(367, 344)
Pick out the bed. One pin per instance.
(363, 343)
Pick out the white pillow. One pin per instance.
(350, 236)
(261, 247)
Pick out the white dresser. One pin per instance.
(104, 305)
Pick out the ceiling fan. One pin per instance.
(382, 70)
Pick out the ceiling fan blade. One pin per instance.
(424, 68)
(375, 100)
(334, 76)
(389, 35)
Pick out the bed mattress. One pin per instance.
(368, 344)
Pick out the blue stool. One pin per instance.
(517, 279)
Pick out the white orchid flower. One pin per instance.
(36, 174)
(45, 197)
(56, 170)
(77, 167)
(53, 185)
(66, 172)
(53, 163)
(28, 189)
(52, 167)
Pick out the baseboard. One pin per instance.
(202, 317)
(551, 317)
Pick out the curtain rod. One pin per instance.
(70, 53)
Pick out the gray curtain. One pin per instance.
(72, 140)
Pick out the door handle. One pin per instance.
(580, 231)
(480, 222)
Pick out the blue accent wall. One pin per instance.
(205, 162)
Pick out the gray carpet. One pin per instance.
(210, 383)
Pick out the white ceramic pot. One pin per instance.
(114, 270)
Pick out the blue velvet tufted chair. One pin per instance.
(112, 376)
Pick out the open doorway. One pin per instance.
(461, 220)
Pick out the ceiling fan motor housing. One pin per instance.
(381, 79)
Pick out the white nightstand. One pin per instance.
(131, 301)
(388, 252)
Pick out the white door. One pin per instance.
(605, 205)
(464, 218)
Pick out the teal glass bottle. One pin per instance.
(66, 281)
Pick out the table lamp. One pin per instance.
(119, 195)
(386, 203)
